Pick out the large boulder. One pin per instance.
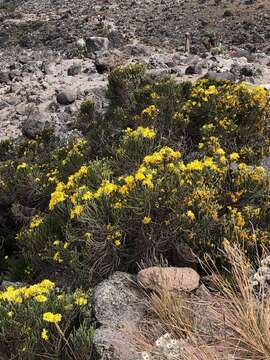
(169, 278)
(118, 307)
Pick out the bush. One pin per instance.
(40, 321)
(178, 169)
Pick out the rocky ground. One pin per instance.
(53, 54)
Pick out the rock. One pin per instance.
(74, 69)
(47, 68)
(66, 97)
(4, 37)
(81, 43)
(194, 69)
(108, 60)
(95, 43)
(34, 125)
(245, 70)
(4, 77)
(170, 278)
(116, 39)
(118, 307)
(226, 75)
(157, 74)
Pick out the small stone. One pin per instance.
(81, 43)
(95, 43)
(170, 278)
(74, 69)
(66, 97)
(194, 69)
(116, 39)
(226, 75)
(4, 77)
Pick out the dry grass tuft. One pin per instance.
(240, 320)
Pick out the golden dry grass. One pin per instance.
(242, 318)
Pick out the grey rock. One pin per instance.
(118, 307)
(74, 69)
(194, 69)
(34, 125)
(156, 74)
(226, 75)
(4, 77)
(3, 104)
(81, 43)
(96, 43)
(4, 37)
(116, 39)
(66, 97)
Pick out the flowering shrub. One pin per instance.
(40, 321)
(168, 166)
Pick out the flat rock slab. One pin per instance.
(170, 278)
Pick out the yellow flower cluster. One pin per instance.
(51, 317)
(36, 222)
(22, 166)
(58, 195)
(151, 111)
(141, 131)
(35, 291)
(165, 154)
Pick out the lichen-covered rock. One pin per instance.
(118, 307)
(170, 278)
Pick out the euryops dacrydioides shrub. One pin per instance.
(169, 165)
(40, 321)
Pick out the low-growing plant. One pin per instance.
(40, 321)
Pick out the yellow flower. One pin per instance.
(10, 314)
(57, 257)
(219, 151)
(118, 205)
(22, 166)
(44, 334)
(36, 222)
(41, 298)
(141, 131)
(56, 243)
(87, 196)
(66, 245)
(57, 196)
(117, 243)
(53, 318)
(146, 220)
(129, 180)
(151, 111)
(190, 214)
(76, 211)
(234, 156)
(81, 301)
